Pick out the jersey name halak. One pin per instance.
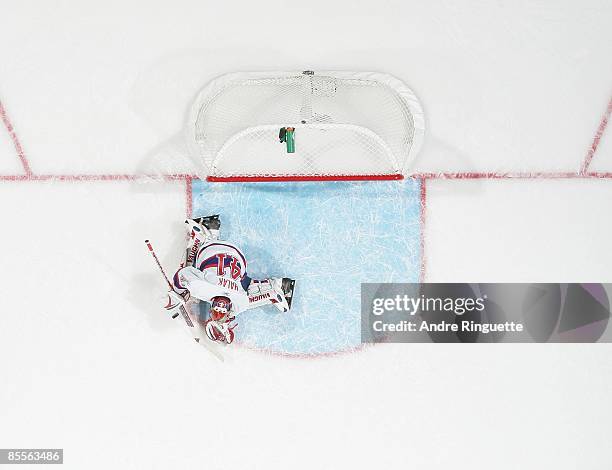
(228, 284)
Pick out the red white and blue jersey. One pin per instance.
(225, 261)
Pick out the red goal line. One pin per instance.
(270, 178)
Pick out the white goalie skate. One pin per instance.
(284, 291)
(209, 226)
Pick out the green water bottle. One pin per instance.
(290, 140)
(286, 135)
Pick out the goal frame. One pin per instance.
(396, 86)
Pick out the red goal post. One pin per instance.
(306, 126)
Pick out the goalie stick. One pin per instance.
(190, 325)
(161, 268)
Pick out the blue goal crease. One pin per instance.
(330, 237)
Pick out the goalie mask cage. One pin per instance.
(302, 126)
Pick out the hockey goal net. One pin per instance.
(306, 126)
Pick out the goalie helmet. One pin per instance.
(220, 307)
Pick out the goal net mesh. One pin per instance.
(335, 124)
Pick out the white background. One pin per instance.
(90, 364)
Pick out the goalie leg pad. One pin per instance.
(269, 292)
(199, 235)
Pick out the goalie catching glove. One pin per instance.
(220, 331)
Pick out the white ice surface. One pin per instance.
(519, 231)
(90, 365)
